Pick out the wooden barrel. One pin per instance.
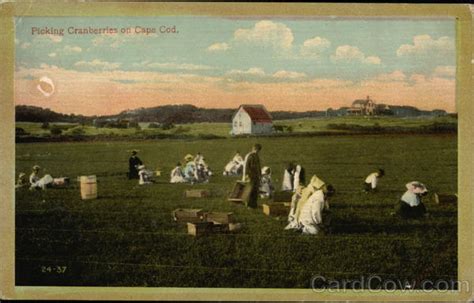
(88, 187)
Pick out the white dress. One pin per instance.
(372, 180)
(311, 213)
(296, 177)
(177, 175)
(287, 184)
(144, 177)
(42, 183)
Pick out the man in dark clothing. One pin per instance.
(252, 174)
(133, 164)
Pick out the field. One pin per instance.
(223, 129)
(127, 237)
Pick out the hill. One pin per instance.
(183, 114)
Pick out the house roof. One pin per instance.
(360, 101)
(257, 113)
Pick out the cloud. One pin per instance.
(447, 71)
(48, 67)
(266, 33)
(394, 76)
(314, 47)
(72, 49)
(253, 71)
(348, 53)
(98, 64)
(173, 66)
(283, 74)
(426, 45)
(218, 47)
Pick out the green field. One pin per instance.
(223, 129)
(127, 237)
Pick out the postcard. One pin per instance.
(236, 151)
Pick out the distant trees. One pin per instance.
(56, 130)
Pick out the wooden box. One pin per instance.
(444, 198)
(185, 215)
(241, 192)
(220, 217)
(235, 226)
(199, 228)
(282, 196)
(196, 193)
(276, 208)
(220, 228)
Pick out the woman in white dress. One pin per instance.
(177, 175)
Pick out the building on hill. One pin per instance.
(362, 107)
(251, 119)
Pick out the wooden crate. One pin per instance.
(235, 226)
(241, 192)
(185, 215)
(220, 228)
(196, 193)
(282, 196)
(445, 198)
(276, 208)
(220, 217)
(199, 228)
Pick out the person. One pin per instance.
(39, 183)
(133, 163)
(22, 181)
(252, 174)
(235, 166)
(370, 183)
(198, 158)
(299, 199)
(266, 186)
(411, 204)
(177, 175)
(202, 172)
(311, 217)
(298, 177)
(190, 169)
(287, 184)
(145, 176)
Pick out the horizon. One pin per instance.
(286, 64)
(209, 108)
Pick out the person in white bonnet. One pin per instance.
(177, 175)
(145, 176)
(266, 186)
(22, 181)
(235, 166)
(371, 181)
(411, 205)
(311, 217)
(39, 183)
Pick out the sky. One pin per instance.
(285, 63)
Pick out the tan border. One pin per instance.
(7, 148)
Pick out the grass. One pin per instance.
(223, 129)
(126, 237)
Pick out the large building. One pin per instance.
(251, 119)
(363, 107)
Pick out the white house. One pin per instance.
(366, 107)
(251, 119)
